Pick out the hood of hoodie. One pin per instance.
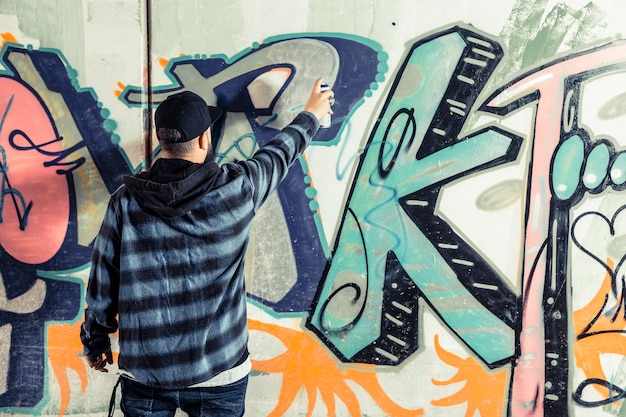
(172, 187)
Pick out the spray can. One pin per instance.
(325, 122)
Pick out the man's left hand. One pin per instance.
(100, 361)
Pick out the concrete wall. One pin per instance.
(452, 246)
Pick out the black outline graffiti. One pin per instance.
(343, 287)
(385, 170)
(59, 155)
(21, 208)
(620, 307)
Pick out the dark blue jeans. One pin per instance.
(141, 401)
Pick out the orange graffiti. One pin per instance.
(65, 351)
(120, 88)
(599, 330)
(305, 364)
(7, 37)
(481, 388)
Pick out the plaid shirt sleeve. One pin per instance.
(270, 164)
(103, 285)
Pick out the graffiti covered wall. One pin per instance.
(451, 246)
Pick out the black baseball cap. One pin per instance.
(187, 113)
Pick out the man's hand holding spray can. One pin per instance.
(325, 122)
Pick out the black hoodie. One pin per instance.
(172, 187)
